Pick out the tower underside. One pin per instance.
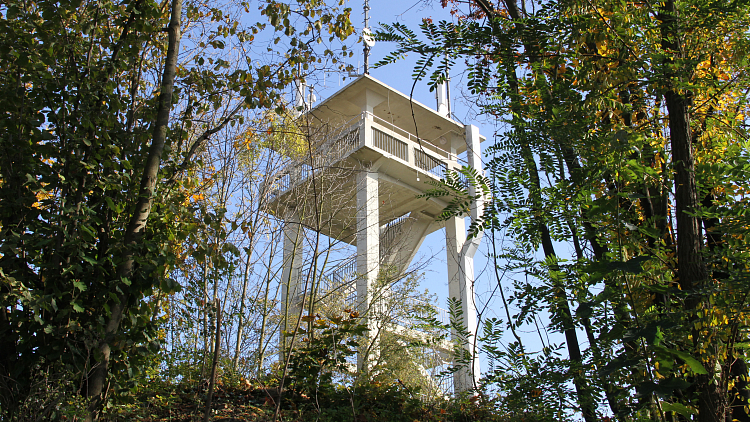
(321, 185)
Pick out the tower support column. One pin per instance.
(461, 292)
(368, 261)
(291, 287)
(460, 258)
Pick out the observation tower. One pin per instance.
(370, 152)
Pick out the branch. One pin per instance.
(486, 8)
(199, 143)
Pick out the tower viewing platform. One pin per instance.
(366, 126)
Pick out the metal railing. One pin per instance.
(421, 310)
(341, 274)
(389, 233)
(339, 148)
(462, 179)
(390, 144)
(409, 136)
(326, 154)
(410, 311)
(282, 183)
(433, 162)
(430, 164)
(427, 156)
(343, 278)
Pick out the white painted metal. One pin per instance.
(300, 91)
(368, 43)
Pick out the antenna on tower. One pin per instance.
(367, 37)
(299, 94)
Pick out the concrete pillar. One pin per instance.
(291, 287)
(474, 157)
(461, 291)
(460, 256)
(368, 257)
(367, 100)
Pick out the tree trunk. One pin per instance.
(561, 307)
(691, 268)
(137, 224)
(240, 320)
(264, 321)
(206, 331)
(214, 361)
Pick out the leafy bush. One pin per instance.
(325, 349)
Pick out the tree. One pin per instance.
(103, 120)
(618, 111)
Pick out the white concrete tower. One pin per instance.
(373, 152)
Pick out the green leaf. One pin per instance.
(77, 307)
(633, 265)
(657, 288)
(690, 361)
(585, 310)
(678, 408)
(650, 232)
(110, 203)
(79, 285)
(620, 362)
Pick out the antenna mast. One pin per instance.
(367, 37)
